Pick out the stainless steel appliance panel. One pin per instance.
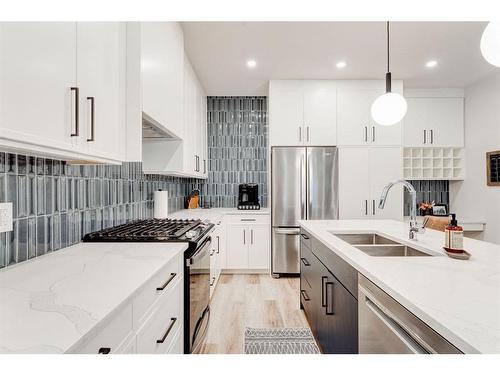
(288, 186)
(386, 327)
(322, 183)
(286, 250)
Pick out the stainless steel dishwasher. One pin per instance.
(386, 327)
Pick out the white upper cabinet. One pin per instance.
(37, 71)
(62, 89)
(359, 192)
(320, 113)
(302, 113)
(162, 57)
(101, 77)
(434, 122)
(355, 124)
(286, 113)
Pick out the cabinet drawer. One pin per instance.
(306, 261)
(160, 285)
(115, 333)
(158, 332)
(305, 238)
(342, 270)
(177, 346)
(248, 219)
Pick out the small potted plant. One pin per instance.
(425, 208)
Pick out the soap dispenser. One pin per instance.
(454, 236)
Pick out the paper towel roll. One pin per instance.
(160, 208)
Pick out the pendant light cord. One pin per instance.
(388, 48)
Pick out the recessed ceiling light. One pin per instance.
(341, 65)
(431, 64)
(251, 63)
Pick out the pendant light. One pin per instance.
(490, 43)
(390, 108)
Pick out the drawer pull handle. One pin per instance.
(104, 351)
(306, 263)
(329, 308)
(304, 294)
(76, 133)
(247, 219)
(304, 236)
(170, 326)
(172, 275)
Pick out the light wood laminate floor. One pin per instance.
(256, 301)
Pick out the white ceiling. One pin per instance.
(310, 50)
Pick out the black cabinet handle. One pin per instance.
(170, 326)
(373, 206)
(172, 275)
(323, 294)
(104, 351)
(305, 261)
(425, 136)
(92, 118)
(77, 112)
(213, 281)
(304, 295)
(204, 165)
(366, 207)
(329, 309)
(218, 244)
(304, 236)
(432, 136)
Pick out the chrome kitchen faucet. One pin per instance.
(414, 226)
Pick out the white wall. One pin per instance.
(472, 199)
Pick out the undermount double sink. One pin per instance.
(375, 245)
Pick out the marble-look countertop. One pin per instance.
(460, 299)
(215, 214)
(48, 304)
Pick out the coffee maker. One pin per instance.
(248, 197)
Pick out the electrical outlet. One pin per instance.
(5, 217)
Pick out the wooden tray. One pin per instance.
(462, 256)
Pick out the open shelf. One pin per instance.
(437, 163)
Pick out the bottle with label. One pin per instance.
(454, 236)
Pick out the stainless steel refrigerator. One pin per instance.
(304, 185)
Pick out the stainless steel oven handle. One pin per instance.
(288, 231)
(199, 252)
(199, 339)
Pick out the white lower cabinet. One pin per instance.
(150, 323)
(156, 335)
(363, 173)
(248, 243)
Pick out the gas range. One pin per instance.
(153, 230)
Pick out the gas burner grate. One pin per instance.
(153, 229)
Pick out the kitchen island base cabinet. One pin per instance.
(330, 308)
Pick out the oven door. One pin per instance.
(199, 294)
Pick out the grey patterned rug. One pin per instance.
(280, 341)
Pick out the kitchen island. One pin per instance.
(459, 299)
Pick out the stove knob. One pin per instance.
(190, 234)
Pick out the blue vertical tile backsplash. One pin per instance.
(237, 148)
(55, 204)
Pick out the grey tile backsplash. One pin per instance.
(55, 204)
(237, 148)
(428, 191)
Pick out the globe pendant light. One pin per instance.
(390, 108)
(490, 43)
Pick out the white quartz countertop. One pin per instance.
(215, 214)
(49, 303)
(460, 299)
